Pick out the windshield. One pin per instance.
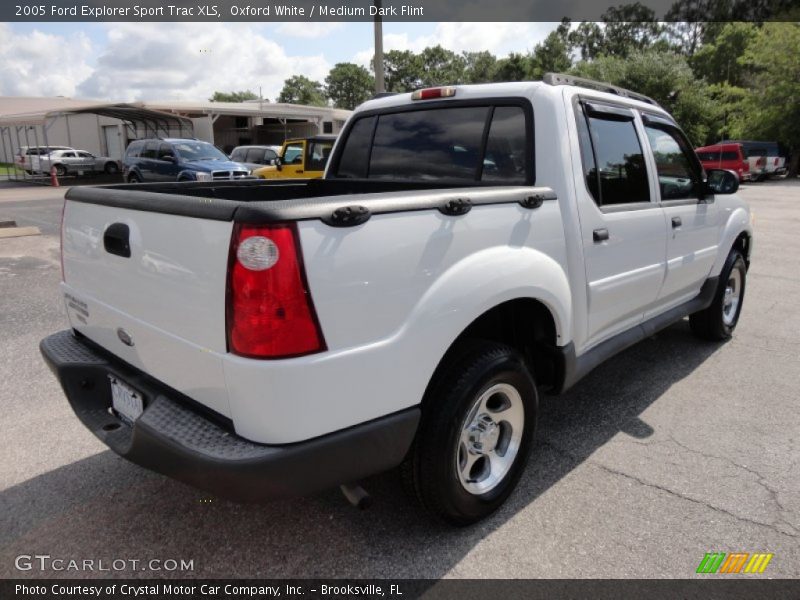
(198, 151)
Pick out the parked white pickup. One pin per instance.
(468, 248)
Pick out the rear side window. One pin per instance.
(708, 156)
(613, 162)
(355, 155)
(466, 143)
(730, 155)
(150, 150)
(318, 153)
(165, 150)
(134, 149)
(505, 158)
(253, 155)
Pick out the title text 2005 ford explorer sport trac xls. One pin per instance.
(467, 246)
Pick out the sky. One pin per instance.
(189, 61)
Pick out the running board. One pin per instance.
(574, 368)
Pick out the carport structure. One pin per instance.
(31, 128)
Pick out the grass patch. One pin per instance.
(10, 169)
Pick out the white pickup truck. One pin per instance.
(468, 248)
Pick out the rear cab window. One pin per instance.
(461, 142)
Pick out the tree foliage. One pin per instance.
(771, 105)
(664, 76)
(348, 85)
(299, 89)
(711, 63)
(233, 96)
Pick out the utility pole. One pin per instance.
(378, 66)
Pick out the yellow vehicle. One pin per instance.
(300, 159)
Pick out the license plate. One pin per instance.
(126, 400)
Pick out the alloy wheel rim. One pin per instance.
(732, 297)
(489, 438)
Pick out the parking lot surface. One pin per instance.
(670, 450)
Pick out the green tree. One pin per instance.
(515, 67)
(440, 66)
(552, 55)
(479, 67)
(588, 39)
(348, 85)
(402, 71)
(664, 76)
(299, 89)
(629, 28)
(718, 61)
(691, 23)
(771, 108)
(233, 96)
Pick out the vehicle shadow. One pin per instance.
(105, 508)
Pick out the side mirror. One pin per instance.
(278, 163)
(721, 181)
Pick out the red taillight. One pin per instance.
(269, 309)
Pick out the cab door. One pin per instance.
(293, 155)
(692, 221)
(622, 225)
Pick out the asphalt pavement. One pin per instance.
(673, 449)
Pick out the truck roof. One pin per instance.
(553, 84)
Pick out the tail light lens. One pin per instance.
(269, 309)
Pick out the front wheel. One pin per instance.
(717, 322)
(478, 421)
(111, 168)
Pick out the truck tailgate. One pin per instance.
(158, 304)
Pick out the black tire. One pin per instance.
(61, 170)
(717, 322)
(134, 178)
(431, 471)
(111, 168)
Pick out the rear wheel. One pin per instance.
(61, 170)
(473, 442)
(718, 321)
(134, 178)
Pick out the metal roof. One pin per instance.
(17, 111)
(36, 111)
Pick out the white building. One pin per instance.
(105, 128)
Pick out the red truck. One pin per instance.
(729, 156)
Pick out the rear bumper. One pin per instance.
(174, 438)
